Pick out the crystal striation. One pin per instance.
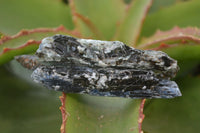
(103, 68)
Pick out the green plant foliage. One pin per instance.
(183, 53)
(26, 42)
(29, 108)
(129, 29)
(90, 114)
(181, 14)
(104, 16)
(22, 14)
(17, 42)
(26, 107)
(180, 115)
(159, 4)
(7, 56)
(1, 35)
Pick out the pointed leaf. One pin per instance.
(27, 108)
(20, 14)
(129, 29)
(98, 18)
(175, 36)
(182, 14)
(103, 114)
(182, 44)
(180, 115)
(27, 41)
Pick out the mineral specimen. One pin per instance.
(104, 68)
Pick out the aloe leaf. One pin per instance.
(182, 44)
(26, 107)
(102, 114)
(183, 14)
(27, 41)
(158, 4)
(172, 38)
(97, 18)
(180, 115)
(1, 34)
(20, 14)
(130, 27)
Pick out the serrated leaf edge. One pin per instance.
(28, 43)
(64, 113)
(181, 36)
(141, 115)
(6, 38)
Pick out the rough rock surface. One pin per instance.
(105, 68)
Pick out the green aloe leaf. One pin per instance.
(172, 38)
(1, 34)
(180, 115)
(26, 107)
(182, 44)
(158, 4)
(129, 29)
(20, 14)
(90, 114)
(27, 41)
(98, 19)
(188, 57)
(182, 14)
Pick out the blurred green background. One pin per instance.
(26, 107)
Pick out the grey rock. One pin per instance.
(103, 68)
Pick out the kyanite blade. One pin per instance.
(102, 68)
